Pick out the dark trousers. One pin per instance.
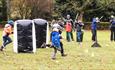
(72, 36)
(68, 36)
(6, 40)
(94, 35)
(112, 35)
(61, 50)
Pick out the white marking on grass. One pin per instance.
(92, 55)
(57, 61)
(86, 51)
(107, 45)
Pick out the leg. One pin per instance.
(72, 35)
(62, 49)
(76, 37)
(54, 53)
(111, 35)
(93, 35)
(79, 36)
(68, 36)
(8, 41)
(4, 41)
(114, 35)
(82, 36)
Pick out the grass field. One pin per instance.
(78, 58)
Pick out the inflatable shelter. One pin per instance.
(24, 36)
(41, 28)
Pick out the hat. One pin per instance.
(10, 21)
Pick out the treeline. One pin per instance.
(87, 9)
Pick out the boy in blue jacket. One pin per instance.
(56, 43)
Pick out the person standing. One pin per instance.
(112, 28)
(79, 32)
(94, 29)
(68, 19)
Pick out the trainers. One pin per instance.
(53, 58)
(1, 48)
(63, 55)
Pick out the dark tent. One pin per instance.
(41, 27)
(24, 36)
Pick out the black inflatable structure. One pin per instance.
(41, 27)
(24, 36)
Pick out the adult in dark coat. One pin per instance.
(112, 28)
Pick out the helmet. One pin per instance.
(55, 29)
(7, 25)
(112, 16)
(11, 22)
(97, 18)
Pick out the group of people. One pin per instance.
(57, 27)
(77, 25)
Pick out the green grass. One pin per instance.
(78, 58)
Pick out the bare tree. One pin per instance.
(31, 8)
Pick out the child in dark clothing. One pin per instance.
(79, 31)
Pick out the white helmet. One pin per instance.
(7, 25)
(55, 29)
(97, 18)
(112, 16)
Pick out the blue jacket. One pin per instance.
(94, 24)
(55, 38)
(113, 22)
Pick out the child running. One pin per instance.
(6, 39)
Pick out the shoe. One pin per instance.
(53, 58)
(1, 48)
(43, 45)
(63, 55)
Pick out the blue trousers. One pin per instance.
(79, 37)
(6, 40)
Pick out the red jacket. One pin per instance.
(68, 27)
